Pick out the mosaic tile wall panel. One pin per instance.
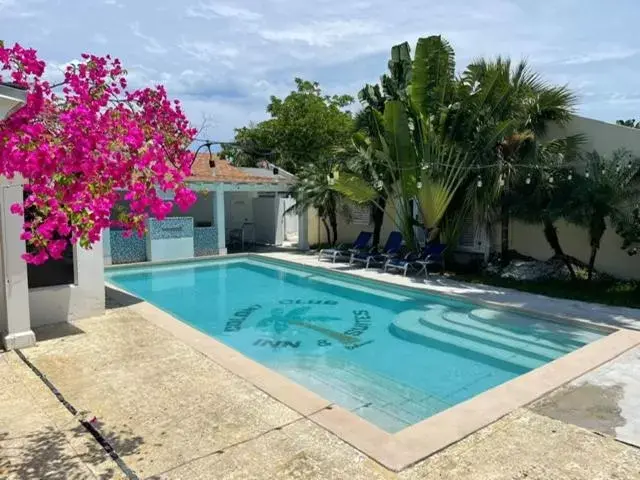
(127, 250)
(205, 241)
(171, 227)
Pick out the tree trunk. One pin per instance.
(327, 229)
(378, 219)
(504, 221)
(592, 261)
(333, 219)
(551, 235)
(597, 228)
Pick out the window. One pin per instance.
(473, 238)
(52, 272)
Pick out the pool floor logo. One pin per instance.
(301, 314)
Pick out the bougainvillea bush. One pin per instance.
(80, 143)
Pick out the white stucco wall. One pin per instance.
(65, 303)
(529, 239)
(201, 211)
(600, 136)
(347, 230)
(238, 208)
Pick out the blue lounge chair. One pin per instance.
(434, 256)
(404, 263)
(391, 248)
(344, 251)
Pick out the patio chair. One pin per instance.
(434, 256)
(408, 261)
(345, 251)
(391, 249)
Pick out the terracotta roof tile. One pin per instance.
(225, 172)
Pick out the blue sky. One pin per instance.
(224, 59)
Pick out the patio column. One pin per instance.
(15, 318)
(303, 230)
(219, 221)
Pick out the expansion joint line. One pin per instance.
(89, 426)
(247, 440)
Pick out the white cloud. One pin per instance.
(207, 51)
(151, 44)
(322, 34)
(99, 38)
(224, 58)
(216, 10)
(610, 53)
(17, 10)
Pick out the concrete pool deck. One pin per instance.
(170, 411)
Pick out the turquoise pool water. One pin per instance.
(389, 354)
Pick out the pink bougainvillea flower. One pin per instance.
(83, 146)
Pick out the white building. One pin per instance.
(235, 208)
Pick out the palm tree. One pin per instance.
(609, 189)
(368, 121)
(514, 101)
(457, 145)
(404, 137)
(540, 195)
(314, 190)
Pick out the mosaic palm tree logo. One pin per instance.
(280, 320)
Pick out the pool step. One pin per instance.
(547, 332)
(359, 382)
(427, 328)
(375, 397)
(497, 334)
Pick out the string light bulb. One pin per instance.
(419, 185)
(550, 178)
(502, 180)
(479, 183)
(570, 176)
(528, 179)
(587, 174)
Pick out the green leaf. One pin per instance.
(433, 74)
(355, 188)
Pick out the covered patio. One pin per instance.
(236, 209)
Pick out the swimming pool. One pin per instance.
(391, 355)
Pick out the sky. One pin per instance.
(224, 59)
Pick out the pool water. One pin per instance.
(391, 355)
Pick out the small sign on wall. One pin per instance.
(361, 214)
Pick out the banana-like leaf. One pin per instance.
(433, 74)
(401, 149)
(440, 185)
(355, 188)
